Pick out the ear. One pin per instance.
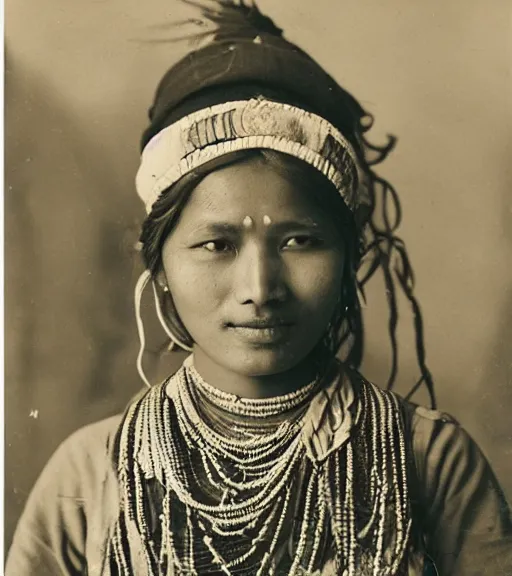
(161, 280)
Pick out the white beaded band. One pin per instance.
(246, 124)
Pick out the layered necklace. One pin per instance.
(261, 486)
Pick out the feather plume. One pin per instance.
(235, 19)
(218, 20)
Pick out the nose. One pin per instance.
(258, 277)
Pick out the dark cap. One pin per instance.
(249, 57)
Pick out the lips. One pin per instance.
(262, 323)
(261, 330)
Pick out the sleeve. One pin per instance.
(466, 518)
(51, 536)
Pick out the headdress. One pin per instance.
(212, 132)
(272, 95)
(249, 87)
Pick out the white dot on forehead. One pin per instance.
(266, 220)
(247, 222)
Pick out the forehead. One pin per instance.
(252, 188)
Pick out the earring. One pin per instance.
(163, 321)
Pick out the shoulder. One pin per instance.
(438, 441)
(96, 436)
(69, 506)
(76, 470)
(75, 475)
(423, 427)
(453, 476)
(438, 445)
(464, 514)
(85, 450)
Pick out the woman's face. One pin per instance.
(254, 267)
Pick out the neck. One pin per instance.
(245, 386)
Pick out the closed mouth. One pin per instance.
(264, 332)
(259, 324)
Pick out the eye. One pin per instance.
(300, 241)
(216, 246)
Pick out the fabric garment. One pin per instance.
(461, 520)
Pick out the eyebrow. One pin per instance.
(231, 228)
(216, 228)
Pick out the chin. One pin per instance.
(263, 361)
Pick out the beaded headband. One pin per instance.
(212, 132)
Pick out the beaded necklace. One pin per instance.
(239, 498)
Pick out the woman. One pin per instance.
(264, 454)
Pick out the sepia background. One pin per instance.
(79, 79)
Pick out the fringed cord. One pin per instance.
(174, 340)
(142, 282)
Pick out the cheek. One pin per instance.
(317, 282)
(195, 288)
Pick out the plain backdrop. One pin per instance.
(79, 79)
